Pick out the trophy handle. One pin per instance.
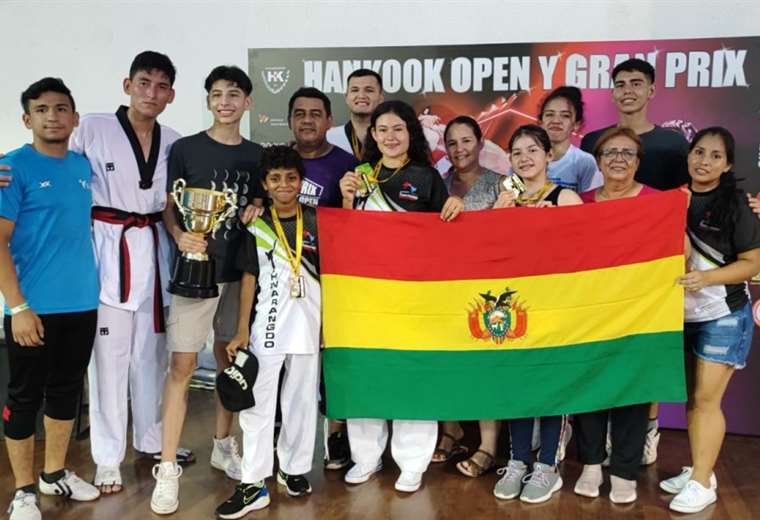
(230, 201)
(177, 188)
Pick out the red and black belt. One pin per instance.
(135, 220)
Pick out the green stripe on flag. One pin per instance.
(501, 384)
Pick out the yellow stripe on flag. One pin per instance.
(561, 309)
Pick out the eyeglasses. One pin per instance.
(613, 153)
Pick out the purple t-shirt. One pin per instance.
(320, 186)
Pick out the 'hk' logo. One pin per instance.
(275, 78)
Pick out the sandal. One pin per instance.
(456, 449)
(472, 468)
(184, 456)
(108, 480)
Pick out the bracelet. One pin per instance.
(18, 309)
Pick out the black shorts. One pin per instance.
(52, 373)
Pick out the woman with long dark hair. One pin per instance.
(401, 179)
(725, 253)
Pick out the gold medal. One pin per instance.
(297, 284)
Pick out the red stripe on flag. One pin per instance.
(501, 243)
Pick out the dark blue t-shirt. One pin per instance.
(49, 200)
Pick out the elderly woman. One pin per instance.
(618, 152)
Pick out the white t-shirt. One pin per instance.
(336, 136)
(116, 184)
(576, 170)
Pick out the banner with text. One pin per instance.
(698, 83)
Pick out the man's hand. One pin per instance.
(453, 207)
(27, 329)
(239, 342)
(5, 179)
(251, 213)
(191, 242)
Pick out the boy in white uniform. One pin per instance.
(280, 253)
(128, 152)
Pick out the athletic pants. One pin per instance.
(521, 436)
(53, 372)
(412, 442)
(129, 360)
(628, 432)
(298, 431)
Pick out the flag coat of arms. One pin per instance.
(500, 314)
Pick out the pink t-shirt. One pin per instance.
(590, 196)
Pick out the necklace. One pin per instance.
(294, 257)
(356, 145)
(376, 172)
(604, 195)
(526, 199)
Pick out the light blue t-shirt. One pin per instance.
(49, 199)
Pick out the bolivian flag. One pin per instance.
(503, 313)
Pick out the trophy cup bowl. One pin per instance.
(202, 211)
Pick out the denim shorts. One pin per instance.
(725, 340)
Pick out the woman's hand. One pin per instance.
(694, 281)
(349, 183)
(506, 199)
(453, 207)
(251, 213)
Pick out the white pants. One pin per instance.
(298, 401)
(412, 442)
(128, 360)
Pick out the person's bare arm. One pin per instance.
(5, 177)
(26, 326)
(745, 267)
(242, 337)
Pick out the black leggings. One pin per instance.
(53, 372)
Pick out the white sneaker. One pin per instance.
(590, 480)
(623, 491)
(70, 486)
(24, 507)
(693, 499)
(226, 457)
(165, 498)
(408, 481)
(359, 474)
(675, 485)
(650, 447)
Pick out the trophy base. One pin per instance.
(194, 278)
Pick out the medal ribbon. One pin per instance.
(294, 258)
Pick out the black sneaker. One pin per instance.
(297, 484)
(247, 498)
(337, 452)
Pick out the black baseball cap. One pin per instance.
(235, 384)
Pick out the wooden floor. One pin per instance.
(445, 494)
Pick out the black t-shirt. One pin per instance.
(205, 163)
(663, 166)
(715, 246)
(248, 259)
(413, 188)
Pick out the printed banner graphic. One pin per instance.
(698, 83)
(502, 313)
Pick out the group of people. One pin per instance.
(74, 309)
